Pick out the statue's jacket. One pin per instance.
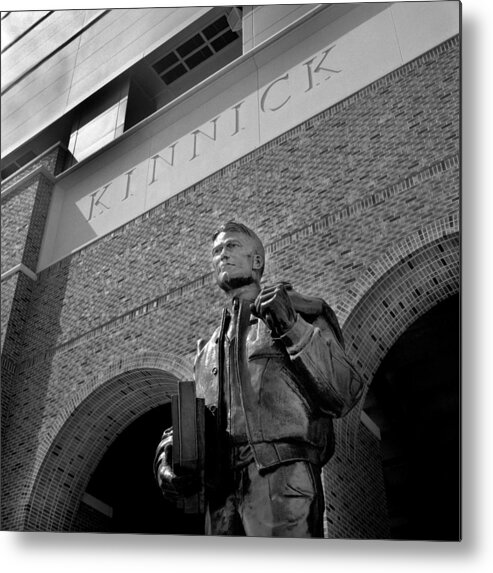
(291, 386)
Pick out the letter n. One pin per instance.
(211, 137)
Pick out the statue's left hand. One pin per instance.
(274, 307)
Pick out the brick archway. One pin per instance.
(404, 284)
(86, 428)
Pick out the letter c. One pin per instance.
(267, 91)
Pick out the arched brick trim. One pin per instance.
(87, 426)
(400, 293)
(440, 228)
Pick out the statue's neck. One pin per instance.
(245, 292)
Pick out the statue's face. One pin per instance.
(234, 260)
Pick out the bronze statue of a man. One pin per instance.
(273, 376)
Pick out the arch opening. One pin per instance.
(83, 440)
(122, 495)
(414, 398)
(407, 291)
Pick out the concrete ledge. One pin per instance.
(22, 269)
(370, 424)
(97, 504)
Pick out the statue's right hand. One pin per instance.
(173, 486)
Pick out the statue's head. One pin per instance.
(238, 256)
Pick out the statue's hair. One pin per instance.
(234, 227)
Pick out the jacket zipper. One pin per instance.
(239, 377)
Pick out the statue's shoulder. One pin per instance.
(203, 342)
(315, 310)
(310, 306)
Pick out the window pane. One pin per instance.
(224, 40)
(191, 45)
(198, 57)
(174, 73)
(215, 27)
(166, 62)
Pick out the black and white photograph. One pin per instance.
(231, 284)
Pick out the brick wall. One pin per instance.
(15, 300)
(24, 211)
(25, 201)
(355, 502)
(89, 519)
(9, 286)
(328, 198)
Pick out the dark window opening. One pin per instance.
(196, 50)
